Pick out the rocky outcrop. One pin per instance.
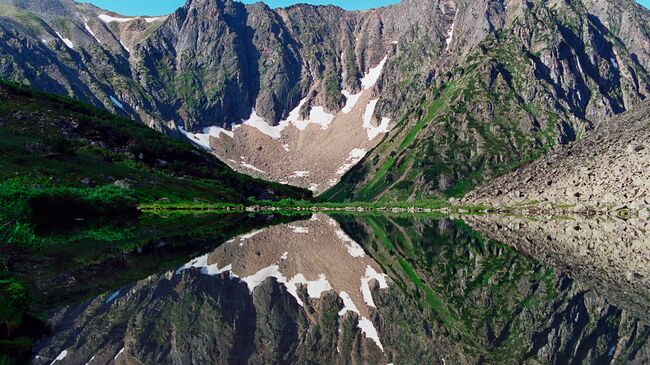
(607, 170)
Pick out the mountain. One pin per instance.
(51, 142)
(405, 290)
(609, 169)
(420, 98)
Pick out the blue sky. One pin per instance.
(160, 7)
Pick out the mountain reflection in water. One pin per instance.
(375, 289)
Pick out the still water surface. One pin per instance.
(347, 289)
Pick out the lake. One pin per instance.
(343, 289)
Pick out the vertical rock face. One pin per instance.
(474, 88)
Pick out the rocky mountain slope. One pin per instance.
(468, 89)
(541, 74)
(308, 292)
(607, 170)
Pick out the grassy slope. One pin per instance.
(50, 140)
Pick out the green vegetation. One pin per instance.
(447, 268)
(62, 157)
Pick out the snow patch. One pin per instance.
(614, 63)
(251, 167)
(118, 354)
(353, 158)
(258, 123)
(251, 235)
(318, 116)
(354, 249)
(284, 256)
(394, 42)
(256, 279)
(368, 329)
(113, 296)
(365, 284)
(300, 174)
(350, 102)
(286, 147)
(61, 356)
(108, 19)
(116, 102)
(201, 263)
(348, 304)
(313, 186)
(90, 31)
(203, 139)
(67, 41)
(371, 78)
(91, 359)
(301, 230)
(373, 131)
(125, 47)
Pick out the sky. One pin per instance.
(162, 7)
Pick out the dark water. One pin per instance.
(345, 289)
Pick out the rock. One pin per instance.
(123, 184)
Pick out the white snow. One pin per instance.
(286, 147)
(313, 186)
(370, 79)
(353, 248)
(256, 279)
(125, 47)
(353, 158)
(365, 287)
(67, 42)
(351, 101)
(251, 235)
(284, 256)
(61, 356)
(201, 262)
(301, 230)
(317, 115)
(370, 331)
(203, 139)
(116, 102)
(614, 63)
(348, 304)
(251, 167)
(113, 296)
(373, 131)
(450, 35)
(108, 19)
(44, 40)
(258, 123)
(300, 174)
(394, 42)
(317, 287)
(118, 354)
(91, 359)
(90, 31)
